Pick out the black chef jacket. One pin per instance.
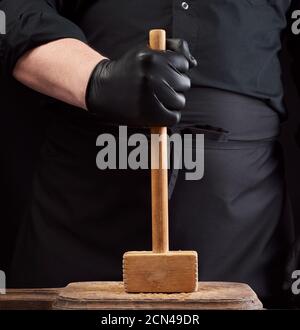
(236, 42)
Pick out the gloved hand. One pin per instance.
(143, 88)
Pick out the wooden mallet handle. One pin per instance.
(159, 176)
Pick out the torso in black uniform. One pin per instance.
(82, 219)
(233, 53)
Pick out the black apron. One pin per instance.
(82, 219)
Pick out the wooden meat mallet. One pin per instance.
(160, 270)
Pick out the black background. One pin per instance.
(22, 128)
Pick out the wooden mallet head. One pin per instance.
(160, 270)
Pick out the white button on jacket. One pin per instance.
(185, 5)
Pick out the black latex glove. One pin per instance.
(143, 88)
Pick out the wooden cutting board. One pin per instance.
(111, 295)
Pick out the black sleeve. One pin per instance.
(294, 40)
(31, 23)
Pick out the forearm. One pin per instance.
(60, 69)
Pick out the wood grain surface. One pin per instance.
(159, 175)
(174, 271)
(112, 295)
(28, 299)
